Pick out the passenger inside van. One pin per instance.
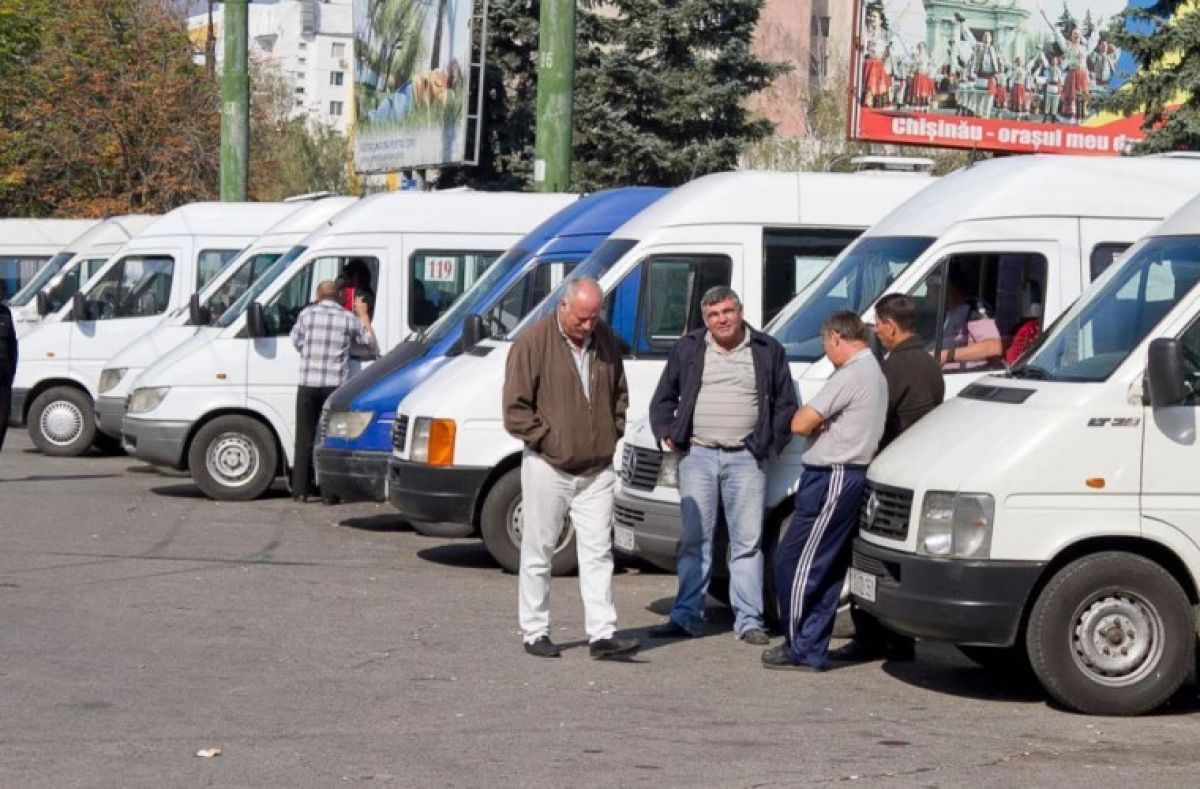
(1029, 328)
(355, 281)
(970, 338)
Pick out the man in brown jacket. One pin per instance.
(565, 399)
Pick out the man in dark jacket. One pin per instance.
(565, 398)
(725, 400)
(8, 366)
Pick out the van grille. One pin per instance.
(639, 467)
(624, 516)
(400, 434)
(886, 511)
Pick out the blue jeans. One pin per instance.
(709, 478)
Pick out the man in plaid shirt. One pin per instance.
(324, 334)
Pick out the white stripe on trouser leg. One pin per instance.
(832, 492)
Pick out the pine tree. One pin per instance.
(660, 98)
(1164, 37)
(1089, 24)
(1065, 20)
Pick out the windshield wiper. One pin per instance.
(1031, 371)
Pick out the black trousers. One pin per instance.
(309, 401)
(5, 404)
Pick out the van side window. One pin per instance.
(233, 288)
(991, 307)
(794, 257)
(210, 262)
(659, 301)
(1103, 256)
(525, 294)
(357, 272)
(438, 278)
(138, 286)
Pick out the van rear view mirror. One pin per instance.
(1166, 374)
(473, 331)
(79, 307)
(256, 320)
(43, 303)
(197, 315)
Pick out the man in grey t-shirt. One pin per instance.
(843, 423)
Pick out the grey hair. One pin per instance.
(845, 324)
(576, 284)
(718, 294)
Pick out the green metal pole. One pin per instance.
(555, 96)
(235, 103)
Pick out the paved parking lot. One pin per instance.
(140, 623)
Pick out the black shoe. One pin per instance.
(607, 648)
(669, 631)
(543, 647)
(777, 657)
(756, 636)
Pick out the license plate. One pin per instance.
(623, 538)
(862, 585)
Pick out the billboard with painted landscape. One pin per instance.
(410, 72)
(1002, 75)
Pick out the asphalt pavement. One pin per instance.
(141, 623)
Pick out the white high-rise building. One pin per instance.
(311, 42)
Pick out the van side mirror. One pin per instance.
(473, 331)
(79, 307)
(43, 304)
(1166, 376)
(197, 315)
(256, 320)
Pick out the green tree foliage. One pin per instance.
(660, 97)
(108, 112)
(1164, 37)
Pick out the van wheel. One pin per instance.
(500, 524)
(233, 458)
(62, 422)
(1111, 634)
(773, 531)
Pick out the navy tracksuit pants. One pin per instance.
(813, 555)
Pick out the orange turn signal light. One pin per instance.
(441, 442)
(1094, 482)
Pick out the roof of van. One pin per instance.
(598, 213)
(449, 212)
(311, 215)
(788, 199)
(54, 233)
(220, 219)
(1044, 185)
(1184, 222)
(114, 230)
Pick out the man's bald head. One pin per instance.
(580, 308)
(328, 289)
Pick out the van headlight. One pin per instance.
(111, 377)
(668, 472)
(147, 399)
(347, 424)
(957, 525)
(433, 441)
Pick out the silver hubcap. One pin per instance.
(233, 459)
(1118, 639)
(61, 423)
(515, 521)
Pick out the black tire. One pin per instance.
(62, 422)
(1085, 608)
(233, 458)
(1010, 661)
(499, 525)
(773, 531)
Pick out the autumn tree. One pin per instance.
(109, 112)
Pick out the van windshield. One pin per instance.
(594, 265)
(260, 284)
(1092, 339)
(44, 275)
(470, 301)
(853, 283)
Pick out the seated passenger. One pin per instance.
(424, 311)
(1030, 326)
(970, 339)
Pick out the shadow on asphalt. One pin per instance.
(965, 681)
(467, 553)
(57, 477)
(189, 491)
(378, 523)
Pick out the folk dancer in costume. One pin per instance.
(1103, 61)
(1000, 96)
(897, 76)
(1018, 99)
(874, 74)
(1075, 54)
(920, 80)
(1052, 92)
(985, 66)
